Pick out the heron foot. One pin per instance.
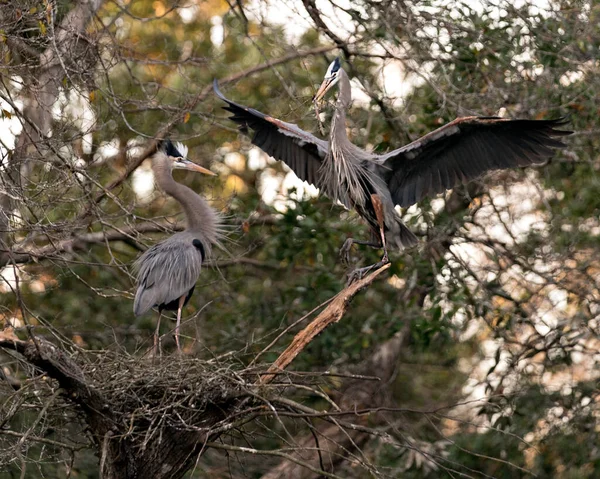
(360, 273)
(347, 246)
(156, 349)
(385, 259)
(345, 251)
(177, 342)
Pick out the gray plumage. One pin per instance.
(374, 184)
(167, 272)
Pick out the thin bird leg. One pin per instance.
(157, 335)
(378, 207)
(361, 272)
(181, 302)
(347, 246)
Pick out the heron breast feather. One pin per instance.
(170, 269)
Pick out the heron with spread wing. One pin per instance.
(374, 184)
(167, 272)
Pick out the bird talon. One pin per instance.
(345, 251)
(352, 277)
(156, 348)
(358, 274)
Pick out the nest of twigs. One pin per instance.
(175, 392)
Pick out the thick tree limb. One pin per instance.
(170, 453)
(66, 372)
(315, 15)
(32, 252)
(331, 314)
(336, 443)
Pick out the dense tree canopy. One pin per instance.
(484, 337)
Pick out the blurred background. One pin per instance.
(493, 318)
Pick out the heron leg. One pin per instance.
(347, 246)
(157, 335)
(360, 273)
(385, 259)
(378, 207)
(181, 303)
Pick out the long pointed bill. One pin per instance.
(324, 88)
(188, 165)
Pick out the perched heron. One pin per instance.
(374, 184)
(167, 272)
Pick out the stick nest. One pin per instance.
(148, 394)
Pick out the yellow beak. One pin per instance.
(323, 89)
(188, 165)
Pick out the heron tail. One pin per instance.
(398, 235)
(143, 301)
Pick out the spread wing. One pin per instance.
(300, 150)
(465, 149)
(166, 271)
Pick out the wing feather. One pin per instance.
(165, 272)
(465, 149)
(300, 150)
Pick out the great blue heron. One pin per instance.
(167, 272)
(374, 184)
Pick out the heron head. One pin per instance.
(177, 156)
(331, 78)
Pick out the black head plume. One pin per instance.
(333, 67)
(169, 148)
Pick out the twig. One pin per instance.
(42, 440)
(332, 314)
(104, 454)
(151, 147)
(291, 326)
(80, 242)
(40, 416)
(289, 457)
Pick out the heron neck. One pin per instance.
(338, 128)
(345, 91)
(338, 121)
(200, 217)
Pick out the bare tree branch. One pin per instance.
(40, 102)
(119, 451)
(331, 314)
